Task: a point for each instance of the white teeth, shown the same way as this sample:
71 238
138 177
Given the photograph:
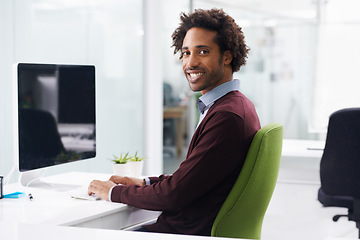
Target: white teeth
193 75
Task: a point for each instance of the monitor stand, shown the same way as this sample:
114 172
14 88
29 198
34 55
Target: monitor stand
34 179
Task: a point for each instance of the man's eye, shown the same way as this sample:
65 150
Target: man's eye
204 52
185 53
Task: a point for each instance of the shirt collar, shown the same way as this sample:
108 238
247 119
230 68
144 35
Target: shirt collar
210 97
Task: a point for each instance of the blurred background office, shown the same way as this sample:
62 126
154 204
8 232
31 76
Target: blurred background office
303 65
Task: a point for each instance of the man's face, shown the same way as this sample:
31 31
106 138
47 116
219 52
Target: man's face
202 63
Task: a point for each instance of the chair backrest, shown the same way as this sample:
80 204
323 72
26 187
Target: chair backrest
242 213
340 163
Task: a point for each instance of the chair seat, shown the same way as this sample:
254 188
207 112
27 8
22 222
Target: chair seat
335 201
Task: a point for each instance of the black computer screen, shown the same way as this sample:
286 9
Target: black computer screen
56 114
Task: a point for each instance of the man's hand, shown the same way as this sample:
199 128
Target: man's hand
127 180
101 188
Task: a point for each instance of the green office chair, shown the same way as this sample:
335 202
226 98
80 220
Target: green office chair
242 213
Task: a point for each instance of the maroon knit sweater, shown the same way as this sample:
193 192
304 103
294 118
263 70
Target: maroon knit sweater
192 196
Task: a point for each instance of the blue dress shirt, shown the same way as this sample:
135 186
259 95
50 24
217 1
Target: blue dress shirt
208 99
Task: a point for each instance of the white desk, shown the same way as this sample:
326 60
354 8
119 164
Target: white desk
301 161
21 231
58 208
50 213
303 148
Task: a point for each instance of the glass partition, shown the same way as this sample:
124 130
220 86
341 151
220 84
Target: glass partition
107 34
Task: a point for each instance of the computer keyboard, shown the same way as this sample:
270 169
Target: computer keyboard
83 195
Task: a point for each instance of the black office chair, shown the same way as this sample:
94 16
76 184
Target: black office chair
340 164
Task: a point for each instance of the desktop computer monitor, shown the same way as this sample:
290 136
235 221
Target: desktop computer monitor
55 114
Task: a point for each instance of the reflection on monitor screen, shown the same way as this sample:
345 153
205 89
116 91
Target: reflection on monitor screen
56 114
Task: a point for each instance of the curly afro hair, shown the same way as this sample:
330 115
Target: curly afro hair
229 35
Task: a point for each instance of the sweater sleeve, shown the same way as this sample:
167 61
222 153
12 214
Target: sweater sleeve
219 148
158 179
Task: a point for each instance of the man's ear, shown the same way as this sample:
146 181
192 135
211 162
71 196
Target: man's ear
227 57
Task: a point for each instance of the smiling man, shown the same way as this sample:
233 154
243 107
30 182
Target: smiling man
212 48
205 67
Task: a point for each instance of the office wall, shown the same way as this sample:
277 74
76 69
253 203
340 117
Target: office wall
280 76
303 54
6 49
338 57
280 66
108 34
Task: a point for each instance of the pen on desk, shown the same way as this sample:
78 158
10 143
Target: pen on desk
30 197
314 148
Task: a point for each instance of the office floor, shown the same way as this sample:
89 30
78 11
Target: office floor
294 211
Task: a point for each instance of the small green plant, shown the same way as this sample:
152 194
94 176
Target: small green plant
122 159
135 158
